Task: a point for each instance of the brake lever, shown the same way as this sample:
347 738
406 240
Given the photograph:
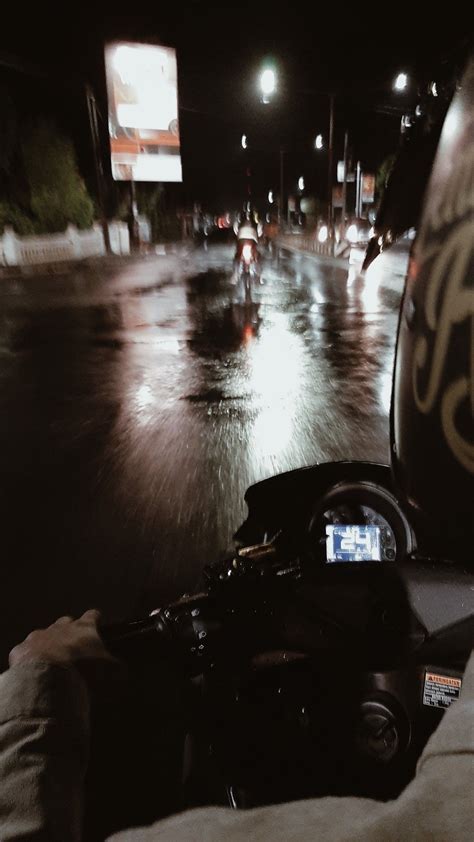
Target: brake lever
266 560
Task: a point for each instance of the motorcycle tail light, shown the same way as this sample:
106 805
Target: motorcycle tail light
247 253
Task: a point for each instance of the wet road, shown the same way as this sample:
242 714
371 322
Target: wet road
138 402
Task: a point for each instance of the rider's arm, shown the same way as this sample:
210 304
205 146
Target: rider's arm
44 729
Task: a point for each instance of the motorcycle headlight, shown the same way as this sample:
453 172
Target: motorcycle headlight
323 234
352 233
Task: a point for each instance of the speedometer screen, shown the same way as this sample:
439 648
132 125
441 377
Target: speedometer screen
353 543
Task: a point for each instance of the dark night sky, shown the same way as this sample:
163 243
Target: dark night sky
220 51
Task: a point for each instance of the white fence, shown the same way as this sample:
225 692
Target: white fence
52 248
307 241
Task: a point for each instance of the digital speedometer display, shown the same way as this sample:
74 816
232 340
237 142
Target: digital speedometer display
348 542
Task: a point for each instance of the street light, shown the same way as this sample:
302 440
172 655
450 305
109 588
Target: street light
267 84
319 142
301 183
401 82
244 141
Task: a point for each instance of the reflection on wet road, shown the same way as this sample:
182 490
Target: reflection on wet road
139 402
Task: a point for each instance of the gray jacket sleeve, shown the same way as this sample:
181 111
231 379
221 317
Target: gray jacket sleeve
44 737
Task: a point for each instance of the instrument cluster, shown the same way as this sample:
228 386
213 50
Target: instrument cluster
359 522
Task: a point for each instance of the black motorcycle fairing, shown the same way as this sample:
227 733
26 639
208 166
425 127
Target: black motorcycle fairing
311 682
442 597
335 706
287 500
312 676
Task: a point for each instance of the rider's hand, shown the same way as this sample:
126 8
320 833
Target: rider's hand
67 642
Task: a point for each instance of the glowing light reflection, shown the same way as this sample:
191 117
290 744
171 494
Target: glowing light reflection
143 404
144 397
385 391
275 367
373 279
370 296
319 299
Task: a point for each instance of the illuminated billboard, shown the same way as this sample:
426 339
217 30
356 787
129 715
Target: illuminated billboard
142 88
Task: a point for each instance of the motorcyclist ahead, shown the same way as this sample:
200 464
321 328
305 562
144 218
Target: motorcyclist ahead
248 226
248 230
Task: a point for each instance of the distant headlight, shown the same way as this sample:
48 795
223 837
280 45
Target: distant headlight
352 234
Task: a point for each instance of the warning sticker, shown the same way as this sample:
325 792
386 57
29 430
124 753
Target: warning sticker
440 690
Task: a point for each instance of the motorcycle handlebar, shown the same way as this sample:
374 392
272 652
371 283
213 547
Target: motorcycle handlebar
204 625
259 613
117 635
187 630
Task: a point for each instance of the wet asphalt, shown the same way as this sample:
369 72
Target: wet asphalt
139 400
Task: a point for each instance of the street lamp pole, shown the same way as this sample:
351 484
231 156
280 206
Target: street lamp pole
344 183
282 186
330 168
268 87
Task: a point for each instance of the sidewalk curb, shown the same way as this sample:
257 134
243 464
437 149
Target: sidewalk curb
25 272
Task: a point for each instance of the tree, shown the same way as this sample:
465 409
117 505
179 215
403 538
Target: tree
151 197
383 174
8 131
58 195
11 214
165 225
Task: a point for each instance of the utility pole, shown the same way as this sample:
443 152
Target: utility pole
94 128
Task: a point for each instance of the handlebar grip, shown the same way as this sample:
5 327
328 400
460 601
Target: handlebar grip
186 631
122 639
